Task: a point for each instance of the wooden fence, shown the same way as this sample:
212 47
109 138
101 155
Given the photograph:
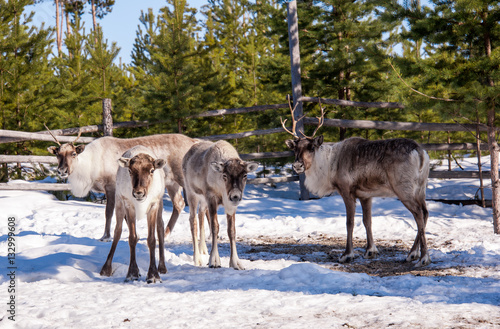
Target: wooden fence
8 136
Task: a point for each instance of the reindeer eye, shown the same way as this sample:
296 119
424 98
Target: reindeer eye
130 172
245 176
74 154
152 170
224 176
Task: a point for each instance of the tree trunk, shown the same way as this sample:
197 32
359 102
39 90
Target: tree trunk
58 29
93 15
107 119
493 146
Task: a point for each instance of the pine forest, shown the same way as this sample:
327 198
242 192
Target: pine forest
440 59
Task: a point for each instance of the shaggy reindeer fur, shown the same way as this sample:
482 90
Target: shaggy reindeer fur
215 175
93 167
362 169
140 185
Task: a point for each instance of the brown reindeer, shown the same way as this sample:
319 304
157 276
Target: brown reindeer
140 185
93 167
361 169
215 175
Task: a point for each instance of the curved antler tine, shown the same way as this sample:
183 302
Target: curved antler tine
77 137
51 134
321 119
284 127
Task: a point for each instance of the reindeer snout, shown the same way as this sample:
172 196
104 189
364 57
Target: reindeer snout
235 196
63 172
298 167
139 195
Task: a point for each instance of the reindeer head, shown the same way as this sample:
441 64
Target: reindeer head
67 155
234 173
141 168
303 147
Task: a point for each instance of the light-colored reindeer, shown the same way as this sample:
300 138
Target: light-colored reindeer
215 175
93 167
140 185
361 169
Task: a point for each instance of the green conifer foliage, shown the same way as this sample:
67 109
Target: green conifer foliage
24 71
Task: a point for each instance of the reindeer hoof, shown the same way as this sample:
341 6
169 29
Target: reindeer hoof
131 278
105 238
424 261
214 266
413 256
370 254
106 271
346 258
153 279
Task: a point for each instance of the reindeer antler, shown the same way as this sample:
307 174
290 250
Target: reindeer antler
294 122
77 137
321 120
51 134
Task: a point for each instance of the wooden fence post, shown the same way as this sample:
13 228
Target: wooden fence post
107 119
293 41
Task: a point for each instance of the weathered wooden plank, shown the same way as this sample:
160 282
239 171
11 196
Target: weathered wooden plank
457 174
389 125
43 137
341 102
244 134
35 186
266 155
238 110
27 159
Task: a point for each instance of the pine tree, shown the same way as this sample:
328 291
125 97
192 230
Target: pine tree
24 71
172 65
463 61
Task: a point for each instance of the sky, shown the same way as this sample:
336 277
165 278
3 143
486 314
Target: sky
120 25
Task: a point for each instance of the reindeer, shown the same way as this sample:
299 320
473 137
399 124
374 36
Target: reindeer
93 167
361 169
215 175
140 184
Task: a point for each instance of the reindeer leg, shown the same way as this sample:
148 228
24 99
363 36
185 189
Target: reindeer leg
371 248
133 270
214 253
152 275
110 206
162 268
350 207
175 192
424 258
107 269
193 204
203 240
234 261
419 248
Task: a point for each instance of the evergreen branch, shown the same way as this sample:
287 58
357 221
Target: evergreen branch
421 93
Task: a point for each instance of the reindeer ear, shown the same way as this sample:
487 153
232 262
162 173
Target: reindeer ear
159 163
318 141
79 149
217 166
53 150
252 166
124 162
291 144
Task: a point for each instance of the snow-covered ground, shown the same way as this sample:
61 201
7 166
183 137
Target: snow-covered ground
289 282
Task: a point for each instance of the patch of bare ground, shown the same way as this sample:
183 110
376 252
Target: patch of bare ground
326 250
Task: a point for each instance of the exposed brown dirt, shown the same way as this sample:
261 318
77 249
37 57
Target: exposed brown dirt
325 251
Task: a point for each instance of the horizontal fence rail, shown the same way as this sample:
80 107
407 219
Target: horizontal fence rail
342 102
264 180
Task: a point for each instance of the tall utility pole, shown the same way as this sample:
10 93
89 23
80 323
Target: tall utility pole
293 41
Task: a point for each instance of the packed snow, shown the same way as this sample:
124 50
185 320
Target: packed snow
290 250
